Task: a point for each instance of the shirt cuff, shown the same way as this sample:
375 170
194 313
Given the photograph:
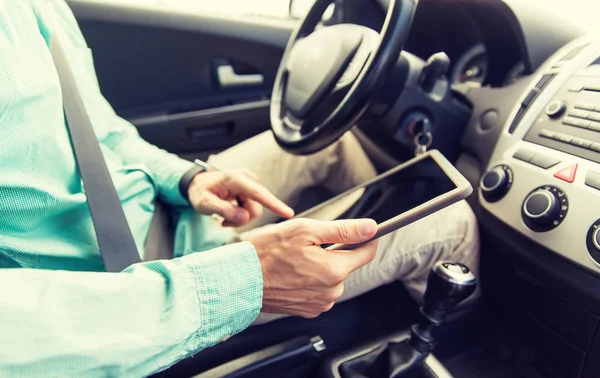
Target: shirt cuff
229 284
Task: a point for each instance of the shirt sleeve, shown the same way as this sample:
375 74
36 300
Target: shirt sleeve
165 169
128 324
114 132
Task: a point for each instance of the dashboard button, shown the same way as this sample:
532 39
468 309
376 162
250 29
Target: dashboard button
585 106
556 108
593 180
567 174
583 123
579 113
595 147
579 142
594 126
577 122
547 134
544 161
524 155
563 138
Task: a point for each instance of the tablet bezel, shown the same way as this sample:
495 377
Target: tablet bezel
461 191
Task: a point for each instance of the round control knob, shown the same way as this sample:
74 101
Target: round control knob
544 208
593 241
555 109
541 206
495 183
596 239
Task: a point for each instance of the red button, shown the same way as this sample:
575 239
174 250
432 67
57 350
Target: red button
567 174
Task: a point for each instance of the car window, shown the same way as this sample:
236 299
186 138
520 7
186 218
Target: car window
265 8
280 9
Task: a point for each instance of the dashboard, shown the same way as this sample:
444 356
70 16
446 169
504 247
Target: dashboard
453 29
529 141
543 178
533 137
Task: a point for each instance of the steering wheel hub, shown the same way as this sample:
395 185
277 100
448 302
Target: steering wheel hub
328 77
316 63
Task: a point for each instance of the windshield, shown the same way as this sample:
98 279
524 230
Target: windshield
583 12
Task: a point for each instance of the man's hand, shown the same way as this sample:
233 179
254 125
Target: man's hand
215 192
300 277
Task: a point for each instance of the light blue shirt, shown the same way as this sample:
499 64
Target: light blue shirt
96 324
87 324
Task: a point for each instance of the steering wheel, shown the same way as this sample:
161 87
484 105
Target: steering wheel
328 77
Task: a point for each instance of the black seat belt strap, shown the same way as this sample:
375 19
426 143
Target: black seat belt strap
114 236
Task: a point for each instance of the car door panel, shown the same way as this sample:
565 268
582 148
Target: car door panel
160 69
196 134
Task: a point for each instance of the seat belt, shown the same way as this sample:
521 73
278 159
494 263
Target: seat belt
113 234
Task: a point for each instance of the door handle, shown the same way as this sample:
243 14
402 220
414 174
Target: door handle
228 78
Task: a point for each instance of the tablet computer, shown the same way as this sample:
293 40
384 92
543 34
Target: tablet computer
400 196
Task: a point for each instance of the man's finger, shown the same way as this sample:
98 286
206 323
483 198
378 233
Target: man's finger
253 207
251 175
352 231
260 194
233 214
356 258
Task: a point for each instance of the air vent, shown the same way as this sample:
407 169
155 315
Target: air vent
528 100
573 53
544 81
515 122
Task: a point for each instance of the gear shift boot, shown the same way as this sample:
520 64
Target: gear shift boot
387 360
376 359
448 284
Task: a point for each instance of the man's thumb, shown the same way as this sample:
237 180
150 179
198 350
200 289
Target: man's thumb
346 231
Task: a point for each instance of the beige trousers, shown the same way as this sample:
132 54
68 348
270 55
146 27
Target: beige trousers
406 255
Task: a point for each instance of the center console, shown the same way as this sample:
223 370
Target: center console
539 203
543 179
408 355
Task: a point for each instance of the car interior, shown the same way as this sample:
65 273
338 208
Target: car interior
505 90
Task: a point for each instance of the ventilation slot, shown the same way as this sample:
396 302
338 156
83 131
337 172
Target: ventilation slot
573 53
515 122
529 99
544 81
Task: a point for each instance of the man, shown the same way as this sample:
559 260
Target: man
156 313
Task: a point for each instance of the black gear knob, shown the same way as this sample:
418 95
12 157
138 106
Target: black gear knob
449 283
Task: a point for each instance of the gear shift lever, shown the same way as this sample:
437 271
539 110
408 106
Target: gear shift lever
448 284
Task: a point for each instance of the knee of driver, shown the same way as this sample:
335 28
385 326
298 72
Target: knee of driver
464 226
459 219
348 140
456 229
